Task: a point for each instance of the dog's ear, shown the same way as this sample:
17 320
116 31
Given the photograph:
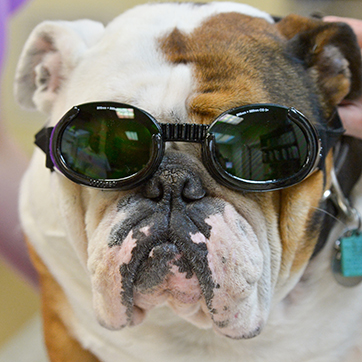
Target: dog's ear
49 56
329 52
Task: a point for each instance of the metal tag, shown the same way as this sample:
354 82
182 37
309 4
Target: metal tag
351 254
347 260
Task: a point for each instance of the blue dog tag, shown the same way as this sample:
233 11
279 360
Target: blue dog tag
351 254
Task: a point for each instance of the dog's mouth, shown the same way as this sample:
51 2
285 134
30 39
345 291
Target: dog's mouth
166 276
209 269
165 273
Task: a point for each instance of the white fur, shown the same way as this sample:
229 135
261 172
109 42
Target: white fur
56 217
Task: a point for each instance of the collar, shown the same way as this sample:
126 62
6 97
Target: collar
337 205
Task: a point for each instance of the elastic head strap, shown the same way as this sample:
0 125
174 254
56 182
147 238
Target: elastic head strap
42 140
334 130
330 135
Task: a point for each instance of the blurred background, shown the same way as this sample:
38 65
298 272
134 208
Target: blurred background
20 326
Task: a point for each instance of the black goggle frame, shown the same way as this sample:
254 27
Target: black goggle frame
320 139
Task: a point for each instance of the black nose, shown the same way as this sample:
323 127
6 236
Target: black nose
174 181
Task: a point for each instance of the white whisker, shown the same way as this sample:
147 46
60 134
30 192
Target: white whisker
331 215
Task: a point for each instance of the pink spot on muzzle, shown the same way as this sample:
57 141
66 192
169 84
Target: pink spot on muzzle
107 286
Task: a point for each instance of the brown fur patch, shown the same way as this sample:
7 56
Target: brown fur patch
232 55
298 205
294 24
61 346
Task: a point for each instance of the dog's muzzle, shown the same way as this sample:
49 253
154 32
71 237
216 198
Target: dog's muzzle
175 244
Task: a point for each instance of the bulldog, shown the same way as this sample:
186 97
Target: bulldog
176 204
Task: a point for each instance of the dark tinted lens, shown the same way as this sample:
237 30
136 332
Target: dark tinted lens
107 142
259 144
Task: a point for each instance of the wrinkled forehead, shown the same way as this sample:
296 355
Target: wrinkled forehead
129 65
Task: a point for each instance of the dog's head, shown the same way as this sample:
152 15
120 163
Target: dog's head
217 256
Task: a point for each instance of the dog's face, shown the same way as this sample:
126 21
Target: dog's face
218 257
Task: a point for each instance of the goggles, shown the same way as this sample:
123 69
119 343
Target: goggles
117 146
